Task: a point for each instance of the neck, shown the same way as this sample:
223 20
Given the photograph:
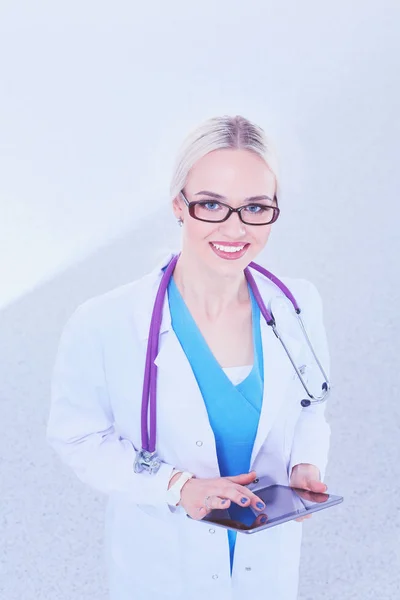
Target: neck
208 291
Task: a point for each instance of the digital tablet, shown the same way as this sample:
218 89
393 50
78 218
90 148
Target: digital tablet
282 503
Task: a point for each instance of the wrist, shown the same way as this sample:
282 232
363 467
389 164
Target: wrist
174 478
177 482
186 484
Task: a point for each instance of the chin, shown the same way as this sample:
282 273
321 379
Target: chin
229 266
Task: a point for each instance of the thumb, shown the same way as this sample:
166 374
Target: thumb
316 486
243 477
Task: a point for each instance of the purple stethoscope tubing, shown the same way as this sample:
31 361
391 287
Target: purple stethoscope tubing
150 372
147 454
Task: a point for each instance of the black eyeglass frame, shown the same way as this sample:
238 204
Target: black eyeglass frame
191 207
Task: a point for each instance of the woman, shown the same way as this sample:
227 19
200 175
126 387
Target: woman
228 400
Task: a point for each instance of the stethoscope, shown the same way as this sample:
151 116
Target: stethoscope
146 458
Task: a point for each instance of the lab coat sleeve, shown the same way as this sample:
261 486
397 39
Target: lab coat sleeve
312 432
81 425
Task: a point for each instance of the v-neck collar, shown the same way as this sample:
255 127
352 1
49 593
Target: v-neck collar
257 359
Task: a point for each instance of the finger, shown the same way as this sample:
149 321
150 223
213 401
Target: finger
210 503
244 477
225 503
197 513
243 497
257 503
238 494
316 486
313 496
216 502
261 519
299 519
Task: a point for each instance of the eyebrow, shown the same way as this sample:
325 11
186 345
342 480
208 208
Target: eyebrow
219 197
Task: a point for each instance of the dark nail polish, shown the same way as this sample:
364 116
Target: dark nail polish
224 502
263 519
260 505
243 500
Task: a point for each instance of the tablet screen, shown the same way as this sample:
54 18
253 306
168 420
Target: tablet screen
282 503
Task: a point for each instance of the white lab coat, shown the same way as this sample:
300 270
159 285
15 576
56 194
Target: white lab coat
154 550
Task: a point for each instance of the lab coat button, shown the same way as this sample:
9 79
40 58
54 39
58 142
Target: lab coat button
199 443
211 530
215 576
248 568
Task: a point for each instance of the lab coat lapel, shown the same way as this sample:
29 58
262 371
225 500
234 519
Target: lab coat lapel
182 392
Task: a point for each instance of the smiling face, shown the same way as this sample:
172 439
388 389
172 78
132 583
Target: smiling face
235 175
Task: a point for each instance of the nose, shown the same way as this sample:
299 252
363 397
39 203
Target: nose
233 226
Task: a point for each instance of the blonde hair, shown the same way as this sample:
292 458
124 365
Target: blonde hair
217 133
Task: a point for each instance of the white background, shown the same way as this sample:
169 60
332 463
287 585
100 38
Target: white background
95 98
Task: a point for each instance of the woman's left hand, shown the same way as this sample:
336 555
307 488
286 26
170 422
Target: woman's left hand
307 477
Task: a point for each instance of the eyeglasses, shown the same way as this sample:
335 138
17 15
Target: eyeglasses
212 211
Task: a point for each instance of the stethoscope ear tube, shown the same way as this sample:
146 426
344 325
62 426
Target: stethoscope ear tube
270 319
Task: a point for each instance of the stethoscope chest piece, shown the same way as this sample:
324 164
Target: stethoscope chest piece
146 461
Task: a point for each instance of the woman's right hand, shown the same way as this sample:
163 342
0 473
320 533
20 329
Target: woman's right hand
222 491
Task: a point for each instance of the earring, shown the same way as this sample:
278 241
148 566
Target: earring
180 222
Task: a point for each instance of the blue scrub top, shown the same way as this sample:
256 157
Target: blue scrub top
233 410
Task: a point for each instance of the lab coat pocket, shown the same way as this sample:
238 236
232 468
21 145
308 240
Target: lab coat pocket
145 546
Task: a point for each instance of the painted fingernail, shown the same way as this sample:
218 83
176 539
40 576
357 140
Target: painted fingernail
260 505
224 501
243 500
263 519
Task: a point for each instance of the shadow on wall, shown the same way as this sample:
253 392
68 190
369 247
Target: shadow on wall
54 521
